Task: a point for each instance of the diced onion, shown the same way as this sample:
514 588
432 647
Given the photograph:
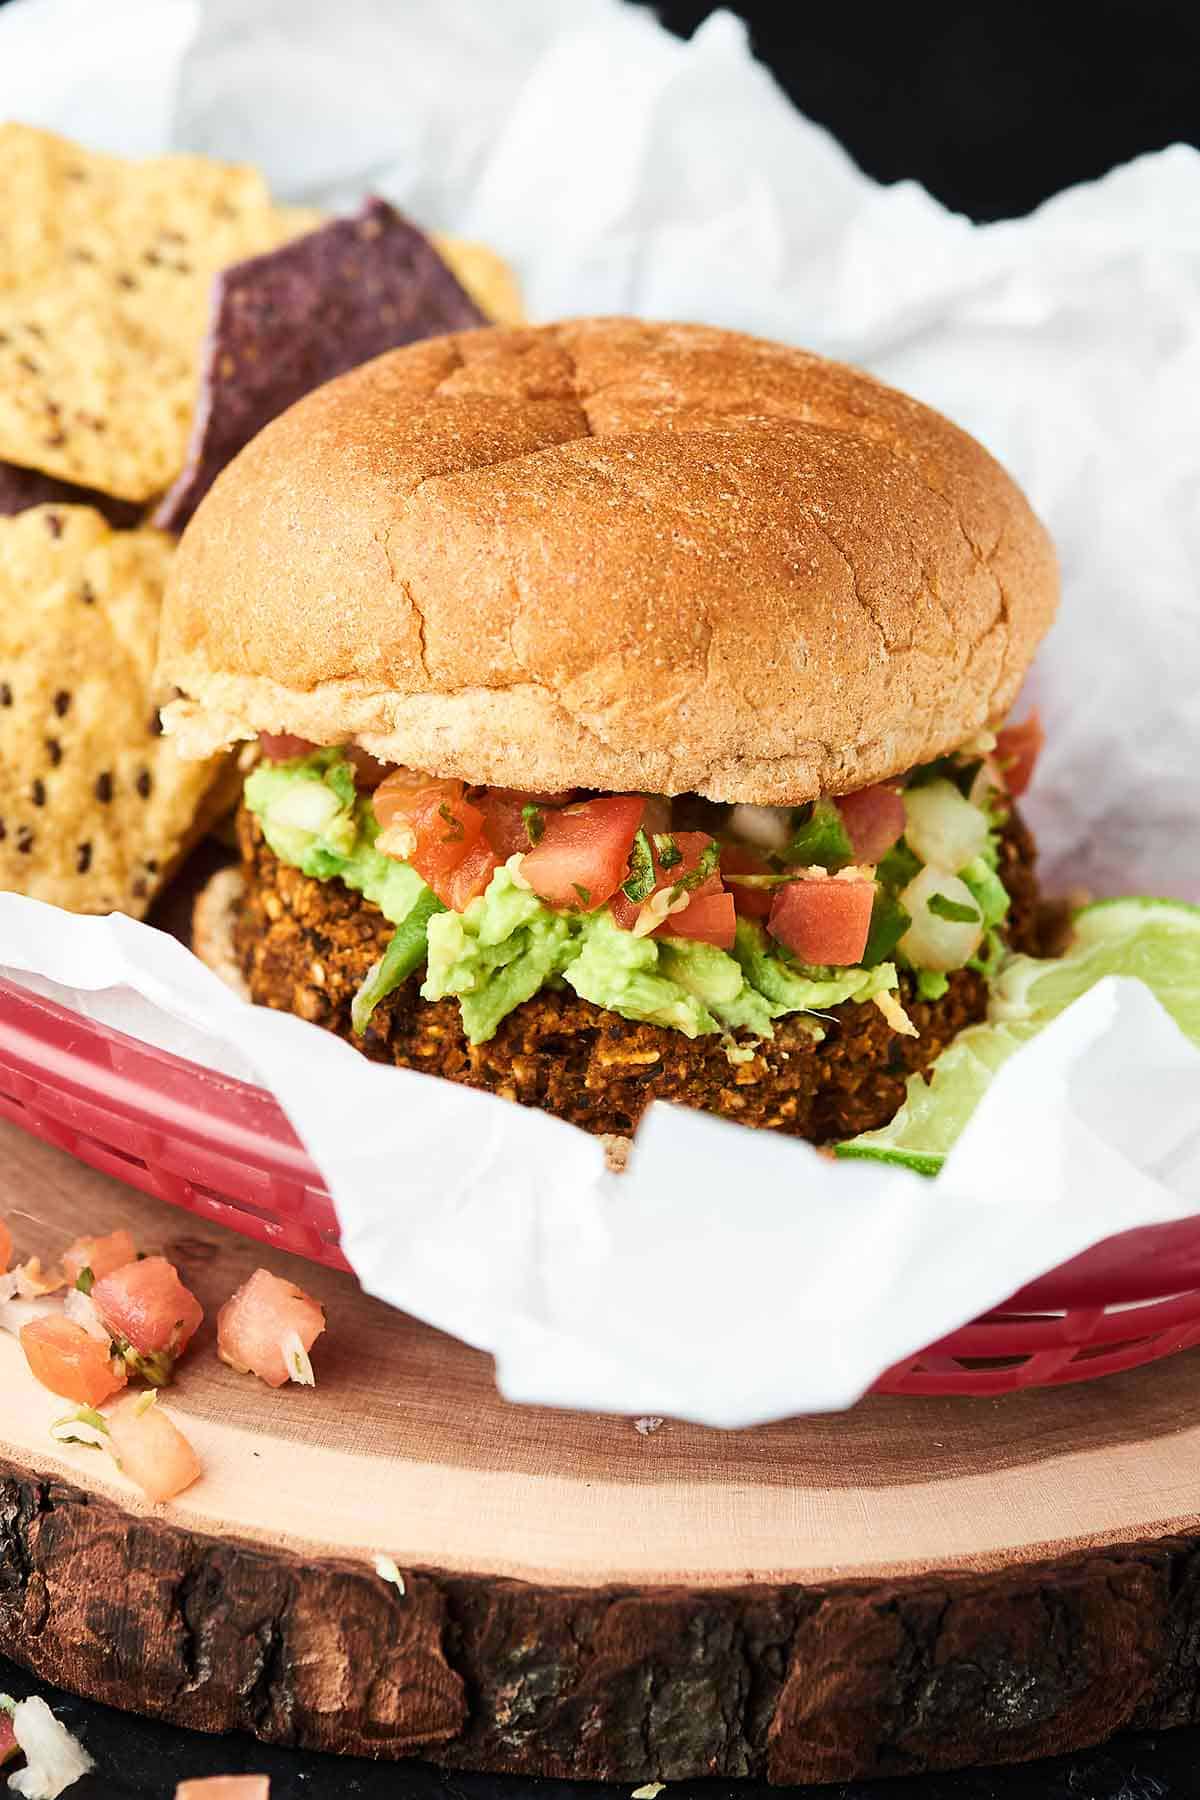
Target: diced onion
295 1358
941 827
16 1312
386 1569
932 942
80 1310
398 840
658 908
33 1281
54 1760
766 827
306 805
73 1430
889 1005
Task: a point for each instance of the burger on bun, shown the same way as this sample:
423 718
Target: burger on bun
630 706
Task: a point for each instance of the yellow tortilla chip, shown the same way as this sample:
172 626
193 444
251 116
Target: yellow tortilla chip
95 804
105 268
486 277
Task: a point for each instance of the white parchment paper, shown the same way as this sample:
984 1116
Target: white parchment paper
731 1276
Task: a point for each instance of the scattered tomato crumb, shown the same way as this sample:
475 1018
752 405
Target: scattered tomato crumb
150 1448
6 1247
226 1787
70 1361
267 1329
1017 750
102 1255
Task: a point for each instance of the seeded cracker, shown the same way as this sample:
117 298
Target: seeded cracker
286 322
95 805
105 268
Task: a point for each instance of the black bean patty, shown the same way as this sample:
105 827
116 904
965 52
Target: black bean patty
305 946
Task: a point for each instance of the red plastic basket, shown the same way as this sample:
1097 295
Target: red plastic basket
223 1150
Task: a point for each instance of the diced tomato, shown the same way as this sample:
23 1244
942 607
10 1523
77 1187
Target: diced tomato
471 877
368 772
6 1247
258 1327
657 816
823 920
504 824
443 833
146 1304
151 1449
563 797
583 856
1017 750
99 1254
8 1739
281 746
508 829
70 1361
751 902
225 1787
706 917
874 820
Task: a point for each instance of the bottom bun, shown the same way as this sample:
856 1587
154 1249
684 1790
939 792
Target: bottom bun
304 946
214 917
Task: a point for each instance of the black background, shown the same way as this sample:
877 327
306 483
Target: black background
993 108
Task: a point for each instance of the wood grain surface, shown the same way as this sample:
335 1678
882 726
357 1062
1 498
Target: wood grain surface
915 1584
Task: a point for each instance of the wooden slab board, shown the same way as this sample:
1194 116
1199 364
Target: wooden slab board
915 1584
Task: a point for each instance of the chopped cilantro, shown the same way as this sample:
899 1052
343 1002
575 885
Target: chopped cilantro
709 858
641 881
667 850
898 867
987 890
889 922
820 839
534 821
942 907
455 830
948 768
585 894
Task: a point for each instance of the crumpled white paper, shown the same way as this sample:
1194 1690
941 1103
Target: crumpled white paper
731 1276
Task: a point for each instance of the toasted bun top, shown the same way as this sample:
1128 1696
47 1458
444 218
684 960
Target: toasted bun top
610 554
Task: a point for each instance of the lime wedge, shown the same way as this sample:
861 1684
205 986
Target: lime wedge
1158 941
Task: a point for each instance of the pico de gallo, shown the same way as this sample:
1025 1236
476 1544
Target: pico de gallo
699 916
105 1315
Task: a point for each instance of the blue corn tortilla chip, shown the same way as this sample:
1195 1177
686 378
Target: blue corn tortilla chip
22 488
285 322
